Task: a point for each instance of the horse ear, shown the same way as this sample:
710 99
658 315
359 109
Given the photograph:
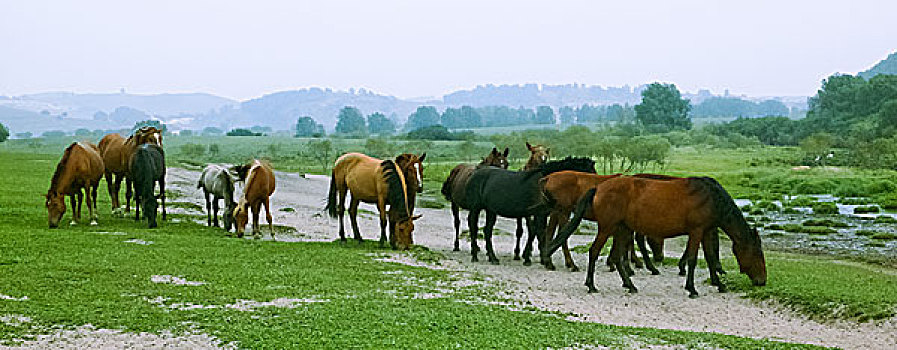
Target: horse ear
529 147
494 150
548 150
423 156
418 216
506 152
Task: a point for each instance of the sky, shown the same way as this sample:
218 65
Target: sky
244 49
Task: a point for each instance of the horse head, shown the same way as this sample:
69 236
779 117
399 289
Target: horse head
539 154
496 158
403 230
55 208
148 134
229 215
241 217
750 256
412 167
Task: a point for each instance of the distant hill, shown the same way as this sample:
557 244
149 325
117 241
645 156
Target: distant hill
84 106
885 66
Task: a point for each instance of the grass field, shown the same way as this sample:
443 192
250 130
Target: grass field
342 296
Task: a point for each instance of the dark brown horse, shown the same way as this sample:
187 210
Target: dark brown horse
412 167
454 186
117 152
661 209
258 179
81 167
377 181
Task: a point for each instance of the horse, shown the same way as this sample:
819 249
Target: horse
216 184
258 177
412 167
148 167
661 209
377 181
539 154
117 152
81 167
511 194
454 186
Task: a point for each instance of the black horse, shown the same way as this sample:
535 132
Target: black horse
148 167
512 194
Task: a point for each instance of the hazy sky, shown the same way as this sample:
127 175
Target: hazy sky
428 48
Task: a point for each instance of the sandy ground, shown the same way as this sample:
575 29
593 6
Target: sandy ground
661 302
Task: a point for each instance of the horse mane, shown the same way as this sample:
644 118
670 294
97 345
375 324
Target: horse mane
60 167
723 204
656 176
581 164
397 196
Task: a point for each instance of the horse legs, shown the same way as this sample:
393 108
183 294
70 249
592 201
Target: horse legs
712 243
487 236
519 235
691 255
455 214
353 220
473 218
256 233
137 199
594 252
267 204
112 184
162 195
210 207
712 258
622 246
656 245
73 200
96 186
549 235
128 192
640 239
341 209
91 203
528 250
568 259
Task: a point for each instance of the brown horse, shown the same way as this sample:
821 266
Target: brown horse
81 167
454 186
117 152
377 181
661 209
539 154
258 178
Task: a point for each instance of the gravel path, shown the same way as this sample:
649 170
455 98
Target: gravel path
660 303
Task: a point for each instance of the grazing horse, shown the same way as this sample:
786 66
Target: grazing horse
80 167
455 185
117 152
147 168
511 194
377 181
538 155
216 183
661 209
412 167
258 177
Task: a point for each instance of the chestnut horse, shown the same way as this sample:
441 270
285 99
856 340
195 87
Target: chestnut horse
539 154
258 179
117 152
81 167
377 181
454 186
661 209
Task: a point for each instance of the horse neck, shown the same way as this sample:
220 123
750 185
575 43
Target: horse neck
62 177
532 163
598 179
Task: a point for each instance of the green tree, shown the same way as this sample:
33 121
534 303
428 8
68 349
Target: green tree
423 117
153 123
663 107
4 132
351 122
243 132
433 132
544 115
308 127
380 124
380 148
322 152
567 115
818 146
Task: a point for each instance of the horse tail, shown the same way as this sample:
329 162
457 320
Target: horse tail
547 198
584 204
447 185
331 197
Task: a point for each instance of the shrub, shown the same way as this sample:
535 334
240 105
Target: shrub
867 233
790 210
866 209
824 208
884 219
824 222
884 236
768 205
801 201
192 150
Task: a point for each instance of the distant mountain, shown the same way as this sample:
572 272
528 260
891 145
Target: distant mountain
885 66
532 95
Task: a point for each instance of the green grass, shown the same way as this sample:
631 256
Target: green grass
79 275
824 222
813 230
866 209
885 220
885 236
823 288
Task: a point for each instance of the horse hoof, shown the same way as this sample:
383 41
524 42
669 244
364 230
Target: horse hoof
516 257
681 273
527 263
633 290
550 267
73 223
456 249
722 289
474 259
592 290
493 261
693 295
93 223
574 269
655 272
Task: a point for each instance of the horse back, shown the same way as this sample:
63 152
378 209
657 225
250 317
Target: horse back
565 188
112 149
260 182
454 186
93 167
655 207
362 175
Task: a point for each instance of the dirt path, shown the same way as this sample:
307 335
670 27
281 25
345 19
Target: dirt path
660 303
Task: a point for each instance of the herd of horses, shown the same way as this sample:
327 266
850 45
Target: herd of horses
641 209
139 161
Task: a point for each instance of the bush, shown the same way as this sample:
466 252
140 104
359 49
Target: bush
243 132
814 186
884 219
885 236
801 201
192 150
767 205
824 222
433 132
866 209
824 208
